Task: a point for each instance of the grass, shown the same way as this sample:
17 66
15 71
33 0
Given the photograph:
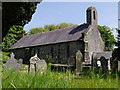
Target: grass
56 80
50 79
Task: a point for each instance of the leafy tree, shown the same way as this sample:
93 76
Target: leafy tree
50 28
107 37
37 30
14 34
16 13
62 25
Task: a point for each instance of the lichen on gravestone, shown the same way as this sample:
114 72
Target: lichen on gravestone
79 57
37 65
20 62
11 64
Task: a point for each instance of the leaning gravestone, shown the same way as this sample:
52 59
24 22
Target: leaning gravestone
78 63
37 65
11 64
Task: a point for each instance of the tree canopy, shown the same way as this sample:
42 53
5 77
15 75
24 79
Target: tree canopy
49 28
13 35
16 13
107 36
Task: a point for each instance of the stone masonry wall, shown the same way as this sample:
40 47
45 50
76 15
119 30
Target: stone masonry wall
94 42
63 53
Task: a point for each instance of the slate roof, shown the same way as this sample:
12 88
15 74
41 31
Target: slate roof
106 54
52 37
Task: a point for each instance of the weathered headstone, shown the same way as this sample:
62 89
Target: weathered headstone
41 66
20 62
11 64
78 63
118 66
37 65
33 61
104 64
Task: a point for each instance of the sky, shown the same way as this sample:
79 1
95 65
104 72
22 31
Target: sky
73 12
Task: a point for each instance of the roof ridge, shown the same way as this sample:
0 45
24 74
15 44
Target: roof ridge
67 34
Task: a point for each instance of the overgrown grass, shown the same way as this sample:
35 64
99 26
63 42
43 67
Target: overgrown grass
56 80
88 79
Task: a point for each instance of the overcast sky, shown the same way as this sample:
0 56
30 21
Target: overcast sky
73 12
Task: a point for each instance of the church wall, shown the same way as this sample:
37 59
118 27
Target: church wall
94 41
19 53
62 53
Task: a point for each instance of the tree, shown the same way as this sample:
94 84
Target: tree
16 13
49 28
37 30
107 37
14 34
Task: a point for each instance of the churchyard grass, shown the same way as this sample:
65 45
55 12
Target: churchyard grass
55 79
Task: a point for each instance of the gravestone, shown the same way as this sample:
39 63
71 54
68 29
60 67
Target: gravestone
20 62
78 63
11 64
41 66
33 61
37 65
118 66
104 64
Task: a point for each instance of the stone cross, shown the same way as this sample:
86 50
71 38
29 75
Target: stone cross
11 64
79 57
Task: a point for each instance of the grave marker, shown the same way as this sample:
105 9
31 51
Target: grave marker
11 64
118 66
37 65
20 62
78 62
104 64
41 66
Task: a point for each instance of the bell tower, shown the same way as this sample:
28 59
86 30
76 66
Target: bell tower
91 16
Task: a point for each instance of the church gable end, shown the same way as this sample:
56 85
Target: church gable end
93 40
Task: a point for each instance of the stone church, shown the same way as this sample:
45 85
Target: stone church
60 46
